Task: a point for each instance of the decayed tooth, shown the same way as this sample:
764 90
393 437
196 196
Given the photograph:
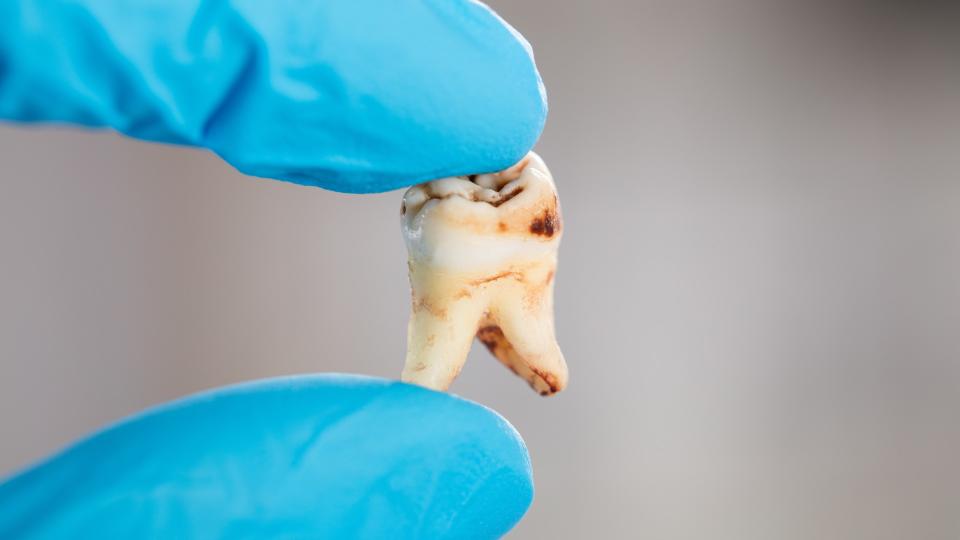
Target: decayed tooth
482 258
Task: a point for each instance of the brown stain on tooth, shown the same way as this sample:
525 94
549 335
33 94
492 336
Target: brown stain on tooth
545 224
539 217
495 277
507 196
403 208
534 294
423 303
504 197
549 379
491 336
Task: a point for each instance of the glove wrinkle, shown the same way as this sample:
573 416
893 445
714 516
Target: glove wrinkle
233 93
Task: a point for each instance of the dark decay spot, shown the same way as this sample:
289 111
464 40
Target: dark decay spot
490 336
544 225
403 207
549 379
472 178
502 227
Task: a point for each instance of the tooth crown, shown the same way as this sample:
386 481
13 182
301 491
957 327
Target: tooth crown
482 258
460 225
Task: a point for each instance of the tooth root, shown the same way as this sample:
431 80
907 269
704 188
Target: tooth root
544 382
441 329
482 256
518 329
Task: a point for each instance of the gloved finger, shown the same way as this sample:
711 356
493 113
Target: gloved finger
354 96
327 456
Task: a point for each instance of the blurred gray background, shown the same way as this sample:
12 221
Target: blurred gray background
759 290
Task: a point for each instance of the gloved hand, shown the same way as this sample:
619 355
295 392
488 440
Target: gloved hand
355 96
350 95
323 456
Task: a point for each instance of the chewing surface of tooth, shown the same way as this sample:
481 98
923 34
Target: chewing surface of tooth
482 259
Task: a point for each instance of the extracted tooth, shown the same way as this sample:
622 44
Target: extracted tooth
482 259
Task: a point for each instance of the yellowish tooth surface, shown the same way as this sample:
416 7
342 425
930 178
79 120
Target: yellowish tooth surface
482 256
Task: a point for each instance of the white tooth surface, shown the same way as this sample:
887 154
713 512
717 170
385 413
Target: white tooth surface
482 257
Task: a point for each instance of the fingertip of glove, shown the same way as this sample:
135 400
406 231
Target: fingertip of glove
495 486
328 455
494 103
427 90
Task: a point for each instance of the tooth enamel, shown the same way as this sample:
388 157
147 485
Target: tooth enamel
482 257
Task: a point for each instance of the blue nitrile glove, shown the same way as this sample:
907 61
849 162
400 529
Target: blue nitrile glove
350 95
325 456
